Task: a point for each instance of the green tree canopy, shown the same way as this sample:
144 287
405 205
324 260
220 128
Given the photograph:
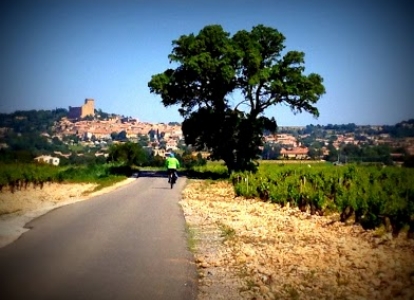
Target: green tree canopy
128 153
212 66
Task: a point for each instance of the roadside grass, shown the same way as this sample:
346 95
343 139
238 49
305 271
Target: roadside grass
227 232
106 182
213 170
191 240
102 175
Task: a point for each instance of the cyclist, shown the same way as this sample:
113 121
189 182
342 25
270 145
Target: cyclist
172 164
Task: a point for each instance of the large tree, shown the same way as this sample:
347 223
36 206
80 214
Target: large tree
128 153
212 66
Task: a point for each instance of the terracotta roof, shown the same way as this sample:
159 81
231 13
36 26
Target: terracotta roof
296 151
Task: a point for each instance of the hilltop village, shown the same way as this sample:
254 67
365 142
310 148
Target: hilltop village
85 127
292 142
118 129
170 137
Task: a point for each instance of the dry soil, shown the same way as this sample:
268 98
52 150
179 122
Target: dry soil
249 249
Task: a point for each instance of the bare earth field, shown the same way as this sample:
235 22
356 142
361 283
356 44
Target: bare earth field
248 249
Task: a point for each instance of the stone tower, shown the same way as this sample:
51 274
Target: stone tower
88 109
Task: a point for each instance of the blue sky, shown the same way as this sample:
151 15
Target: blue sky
57 53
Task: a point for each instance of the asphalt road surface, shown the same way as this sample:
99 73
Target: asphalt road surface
128 244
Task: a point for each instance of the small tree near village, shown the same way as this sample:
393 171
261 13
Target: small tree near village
213 65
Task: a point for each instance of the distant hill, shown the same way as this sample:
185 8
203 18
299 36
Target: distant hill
32 120
43 120
400 130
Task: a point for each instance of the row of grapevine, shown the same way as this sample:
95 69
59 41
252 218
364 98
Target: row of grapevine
371 195
18 176
21 176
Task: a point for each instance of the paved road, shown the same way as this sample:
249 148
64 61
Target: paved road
128 244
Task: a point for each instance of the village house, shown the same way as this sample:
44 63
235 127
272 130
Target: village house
295 153
171 144
159 152
325 151
101 154
270 139
410 150
287 140
48 160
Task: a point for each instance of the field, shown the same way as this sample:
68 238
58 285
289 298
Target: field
251 249
290 231
303 231
371 196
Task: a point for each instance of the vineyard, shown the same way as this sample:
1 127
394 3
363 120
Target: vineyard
372 196
20 176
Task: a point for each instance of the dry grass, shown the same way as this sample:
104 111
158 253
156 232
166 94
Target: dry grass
30 199
248 249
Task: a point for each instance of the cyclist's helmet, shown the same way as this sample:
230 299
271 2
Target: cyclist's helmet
171 154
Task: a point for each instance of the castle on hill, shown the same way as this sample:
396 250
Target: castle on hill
88 109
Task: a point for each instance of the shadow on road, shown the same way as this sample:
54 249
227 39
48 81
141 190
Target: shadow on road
188 174
161 188
158 174
162 174
124 170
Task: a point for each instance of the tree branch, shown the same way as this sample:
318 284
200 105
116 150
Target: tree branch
259 88
242 102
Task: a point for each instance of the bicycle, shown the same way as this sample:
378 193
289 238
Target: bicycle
172 178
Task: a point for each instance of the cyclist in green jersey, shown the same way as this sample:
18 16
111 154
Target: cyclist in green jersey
172 164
